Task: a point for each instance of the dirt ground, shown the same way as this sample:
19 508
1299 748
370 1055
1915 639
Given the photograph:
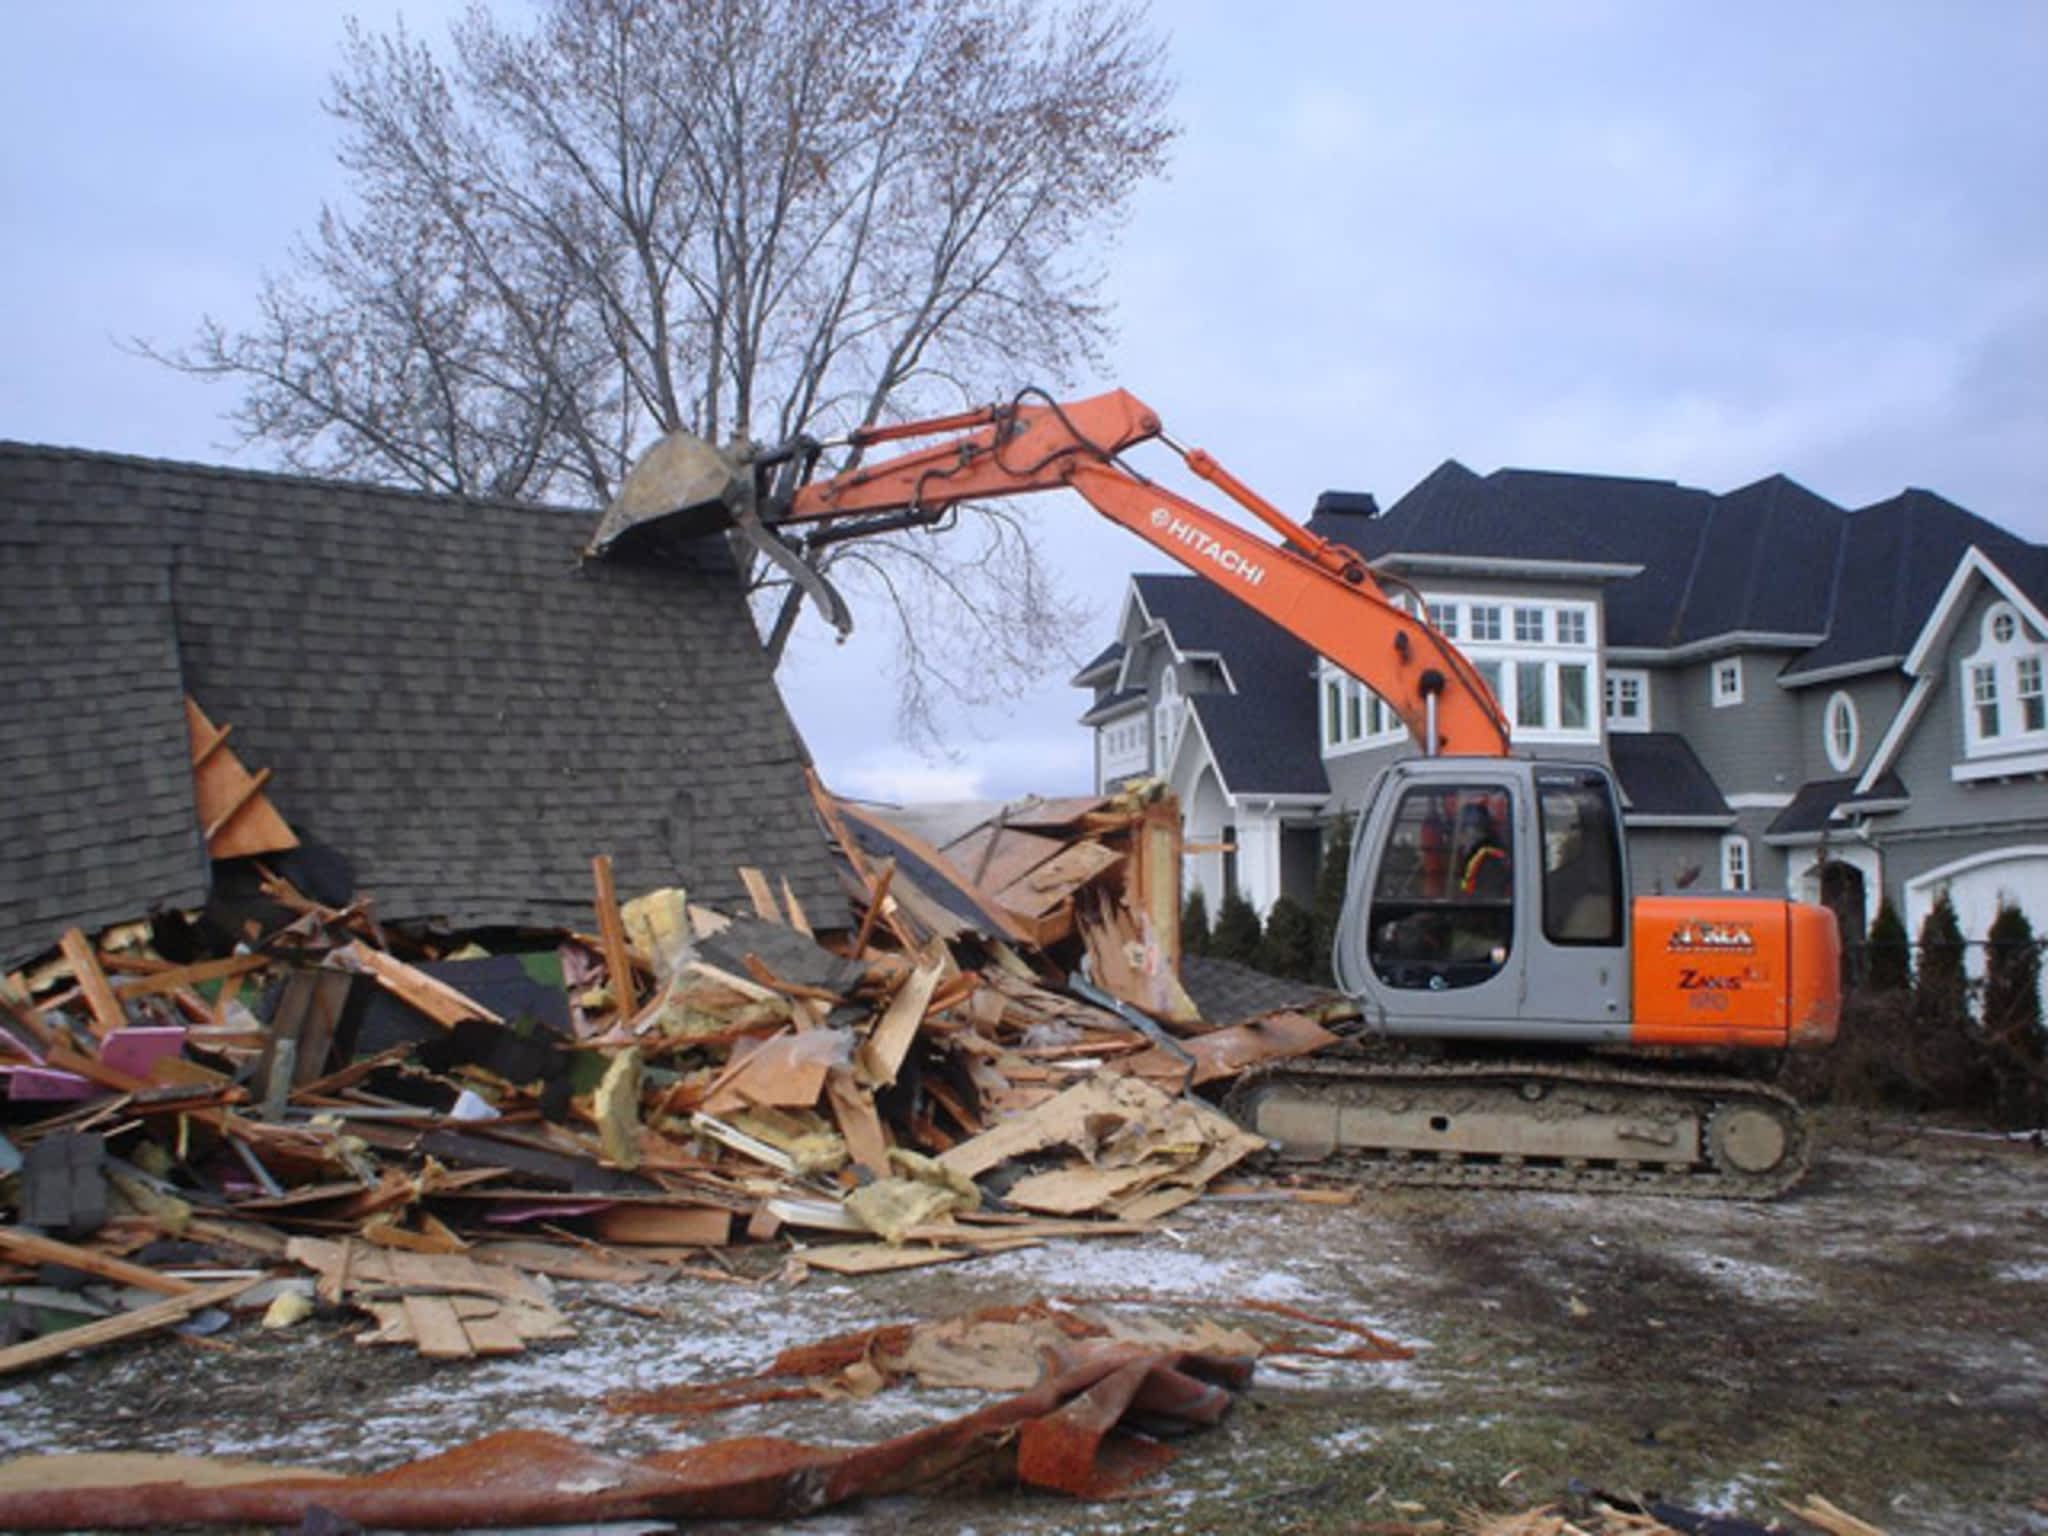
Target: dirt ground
1879 1337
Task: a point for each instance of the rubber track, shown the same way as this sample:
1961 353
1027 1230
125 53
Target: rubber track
1426 1170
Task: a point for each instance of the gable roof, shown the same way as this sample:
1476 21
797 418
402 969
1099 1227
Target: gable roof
1897 559
1100 667
1256 742
443 693
1255 731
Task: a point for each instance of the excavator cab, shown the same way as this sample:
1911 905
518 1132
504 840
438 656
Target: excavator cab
1489 897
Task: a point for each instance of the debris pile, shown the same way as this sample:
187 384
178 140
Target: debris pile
989 1048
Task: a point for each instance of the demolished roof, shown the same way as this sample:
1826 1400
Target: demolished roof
442 692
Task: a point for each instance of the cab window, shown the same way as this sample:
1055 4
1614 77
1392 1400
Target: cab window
1443 907
1583 902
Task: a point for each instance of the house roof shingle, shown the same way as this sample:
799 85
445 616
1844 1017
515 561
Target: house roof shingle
1771 558
443 693
1813 807
1661 775
1255 732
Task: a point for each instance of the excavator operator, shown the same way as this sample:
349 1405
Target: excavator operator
1484 871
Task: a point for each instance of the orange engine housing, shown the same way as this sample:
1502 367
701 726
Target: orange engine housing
1738 971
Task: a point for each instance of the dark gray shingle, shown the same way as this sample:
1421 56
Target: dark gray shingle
442 690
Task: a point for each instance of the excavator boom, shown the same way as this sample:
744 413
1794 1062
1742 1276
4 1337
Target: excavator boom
1317 590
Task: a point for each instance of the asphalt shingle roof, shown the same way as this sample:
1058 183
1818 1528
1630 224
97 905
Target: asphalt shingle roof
442 691
1896 559
1661 775
1813 806
1769 558
1256 732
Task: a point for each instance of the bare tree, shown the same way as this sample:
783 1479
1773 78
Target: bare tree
746 218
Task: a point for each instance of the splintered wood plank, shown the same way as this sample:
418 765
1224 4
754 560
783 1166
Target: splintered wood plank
29 1248
759 893
433 997
990 857
798 918
881 1056
612 932
107 1012
662 1225
1227 1052
234 815
1070 1191
179 977
436 1328
853 1107
1036 894
1063 1119
785 1071
126 1325
878 1258
489 1326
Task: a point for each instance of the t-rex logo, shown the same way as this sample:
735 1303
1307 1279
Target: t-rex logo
1716 938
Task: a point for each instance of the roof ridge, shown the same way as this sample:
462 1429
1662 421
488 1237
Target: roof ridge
16 448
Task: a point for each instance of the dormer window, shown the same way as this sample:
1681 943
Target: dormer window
2004 706
1727 682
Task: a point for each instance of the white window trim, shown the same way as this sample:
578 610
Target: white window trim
1725 697
1841 706
1333 683
1625 723
2001 660
1169 715
1511 655
1738 871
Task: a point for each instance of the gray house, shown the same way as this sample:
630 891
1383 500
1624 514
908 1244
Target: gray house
1793 697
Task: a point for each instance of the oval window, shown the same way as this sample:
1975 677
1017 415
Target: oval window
1841 731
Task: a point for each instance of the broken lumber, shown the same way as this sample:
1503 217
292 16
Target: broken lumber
125 1325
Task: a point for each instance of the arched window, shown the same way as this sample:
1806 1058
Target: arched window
2005 706
1166 718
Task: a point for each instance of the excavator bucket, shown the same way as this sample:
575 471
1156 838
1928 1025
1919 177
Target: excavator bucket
683 484
685 488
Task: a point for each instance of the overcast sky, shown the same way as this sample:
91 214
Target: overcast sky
1701 242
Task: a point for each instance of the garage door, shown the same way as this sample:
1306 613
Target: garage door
1978 886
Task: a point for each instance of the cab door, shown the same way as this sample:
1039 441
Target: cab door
1444 900
1577 973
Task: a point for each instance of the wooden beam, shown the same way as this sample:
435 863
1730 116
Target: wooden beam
176 977
440 1002
878 897
612 933
759 893
798 918
238 802
107 1013
128 1325
30 1248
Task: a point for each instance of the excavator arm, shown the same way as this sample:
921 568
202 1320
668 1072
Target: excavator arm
1321 592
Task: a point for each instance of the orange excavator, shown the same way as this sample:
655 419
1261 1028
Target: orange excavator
1488 907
